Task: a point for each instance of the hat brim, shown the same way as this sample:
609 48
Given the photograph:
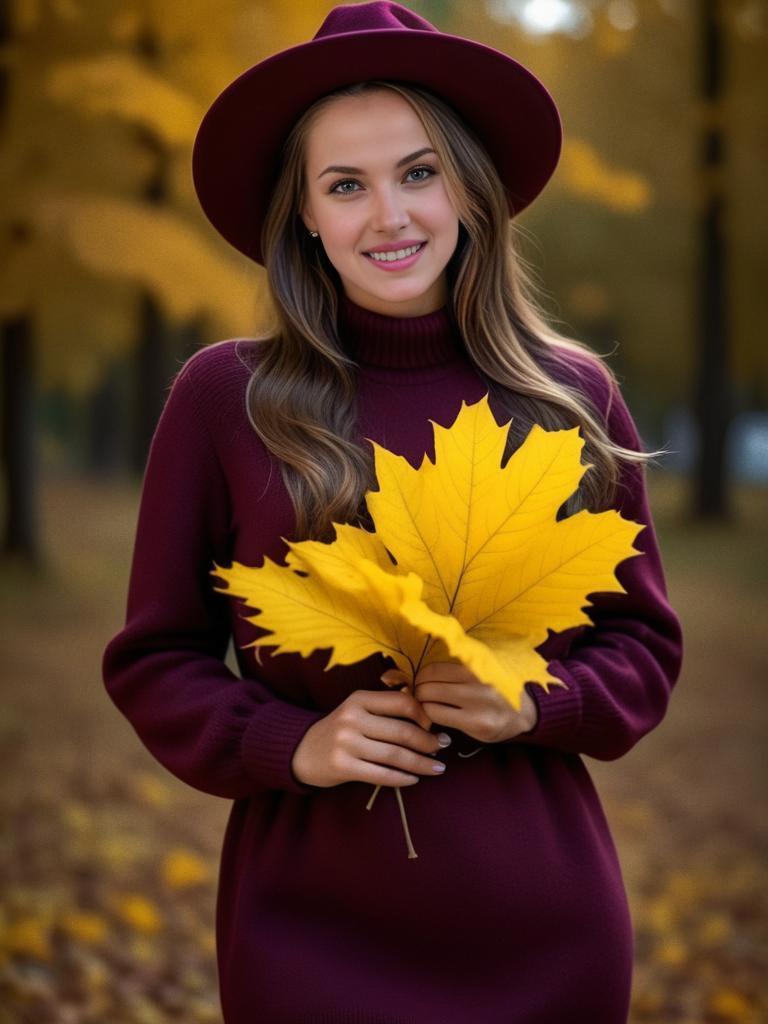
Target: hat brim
235 154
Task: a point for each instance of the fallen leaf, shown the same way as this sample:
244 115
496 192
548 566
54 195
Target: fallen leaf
182 868
139 912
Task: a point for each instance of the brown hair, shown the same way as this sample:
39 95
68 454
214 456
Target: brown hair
301 397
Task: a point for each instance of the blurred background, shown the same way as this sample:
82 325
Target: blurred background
649 245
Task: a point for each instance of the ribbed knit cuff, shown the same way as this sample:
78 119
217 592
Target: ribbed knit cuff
270 740
560 709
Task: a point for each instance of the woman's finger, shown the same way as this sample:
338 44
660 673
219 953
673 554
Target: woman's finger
441 714
424 718
394 677
457 694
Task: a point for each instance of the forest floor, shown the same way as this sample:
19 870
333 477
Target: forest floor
108 863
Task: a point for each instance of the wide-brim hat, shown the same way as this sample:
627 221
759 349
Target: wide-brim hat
236 152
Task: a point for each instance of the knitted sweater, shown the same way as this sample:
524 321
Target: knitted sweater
515 908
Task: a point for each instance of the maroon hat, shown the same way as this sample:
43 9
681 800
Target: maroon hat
237 148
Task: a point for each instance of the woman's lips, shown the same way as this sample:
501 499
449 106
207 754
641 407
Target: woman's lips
396 264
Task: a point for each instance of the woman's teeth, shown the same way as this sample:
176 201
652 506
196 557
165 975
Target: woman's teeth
398 254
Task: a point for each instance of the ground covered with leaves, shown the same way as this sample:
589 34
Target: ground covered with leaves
108 864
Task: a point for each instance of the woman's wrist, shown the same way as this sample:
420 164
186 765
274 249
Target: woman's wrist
522 721
530 712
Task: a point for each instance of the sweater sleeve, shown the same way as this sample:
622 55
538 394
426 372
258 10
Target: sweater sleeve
165 669
620 671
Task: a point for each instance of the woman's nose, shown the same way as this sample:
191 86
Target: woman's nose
389 213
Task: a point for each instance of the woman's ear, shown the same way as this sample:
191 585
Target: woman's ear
307 218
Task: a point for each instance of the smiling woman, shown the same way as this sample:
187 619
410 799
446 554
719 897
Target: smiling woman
378 189
390 231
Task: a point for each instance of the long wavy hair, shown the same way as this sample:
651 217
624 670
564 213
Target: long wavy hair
301 397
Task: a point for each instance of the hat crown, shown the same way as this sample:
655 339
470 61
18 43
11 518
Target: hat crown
369 17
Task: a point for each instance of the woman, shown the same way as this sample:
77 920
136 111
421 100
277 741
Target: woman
320 163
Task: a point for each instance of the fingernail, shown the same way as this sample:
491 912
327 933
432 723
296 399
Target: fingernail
438 766
443 739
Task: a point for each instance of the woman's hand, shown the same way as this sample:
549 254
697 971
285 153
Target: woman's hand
372 736
453 696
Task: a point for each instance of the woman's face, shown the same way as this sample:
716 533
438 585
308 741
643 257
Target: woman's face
373 182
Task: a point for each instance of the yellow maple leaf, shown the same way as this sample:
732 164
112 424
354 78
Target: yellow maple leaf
303 611
483 569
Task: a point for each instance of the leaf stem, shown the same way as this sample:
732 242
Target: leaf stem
410 687
369 805
403 817
422 656
411 851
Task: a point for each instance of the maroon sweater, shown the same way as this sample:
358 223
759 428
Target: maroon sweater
515 908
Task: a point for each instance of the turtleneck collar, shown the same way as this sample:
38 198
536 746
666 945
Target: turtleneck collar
399 343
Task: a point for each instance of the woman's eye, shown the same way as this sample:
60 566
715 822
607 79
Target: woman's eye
415 170
337 188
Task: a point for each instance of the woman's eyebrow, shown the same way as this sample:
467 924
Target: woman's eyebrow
359 170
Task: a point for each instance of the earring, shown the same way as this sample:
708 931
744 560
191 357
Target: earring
313 233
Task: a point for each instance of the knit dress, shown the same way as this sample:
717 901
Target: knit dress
514 911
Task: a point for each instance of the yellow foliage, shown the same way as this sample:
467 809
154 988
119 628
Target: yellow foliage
728 1004
68 10
295 23
483 572
27 15
182 868
118 84
27 936
125 26
154 248
88 928
584 173
140 913
611 41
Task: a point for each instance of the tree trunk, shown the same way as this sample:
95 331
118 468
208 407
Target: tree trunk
19 455
19 466
189 337
151 379
712 397
153 372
